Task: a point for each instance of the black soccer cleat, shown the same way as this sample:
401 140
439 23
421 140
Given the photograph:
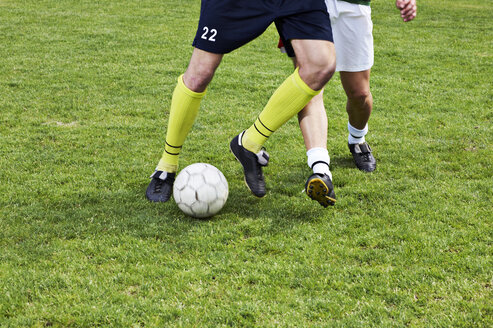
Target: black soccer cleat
161 186
363 157
319 187
252 165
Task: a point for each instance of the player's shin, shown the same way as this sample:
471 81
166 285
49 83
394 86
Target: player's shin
184 108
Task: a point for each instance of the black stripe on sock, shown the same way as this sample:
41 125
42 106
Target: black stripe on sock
258 118
172 146
259 130
174 154
317 162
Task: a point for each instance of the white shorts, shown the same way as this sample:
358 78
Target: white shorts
353 39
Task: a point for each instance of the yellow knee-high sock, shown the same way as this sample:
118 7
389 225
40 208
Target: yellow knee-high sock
291 96
184 108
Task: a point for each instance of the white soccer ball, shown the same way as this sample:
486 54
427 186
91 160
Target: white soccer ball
200 190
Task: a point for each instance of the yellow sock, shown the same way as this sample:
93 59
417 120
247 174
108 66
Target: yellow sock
184 108
291 96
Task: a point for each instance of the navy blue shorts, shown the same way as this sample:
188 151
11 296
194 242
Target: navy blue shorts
226 25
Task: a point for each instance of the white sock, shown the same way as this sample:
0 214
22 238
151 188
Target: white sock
319 160
356 136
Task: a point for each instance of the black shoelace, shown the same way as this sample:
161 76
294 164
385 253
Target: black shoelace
159 184
366 157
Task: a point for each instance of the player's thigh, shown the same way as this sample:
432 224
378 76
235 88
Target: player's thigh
314 52
356 84
306 25
316 61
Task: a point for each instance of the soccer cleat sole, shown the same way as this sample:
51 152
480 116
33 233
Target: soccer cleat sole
244 178
317 190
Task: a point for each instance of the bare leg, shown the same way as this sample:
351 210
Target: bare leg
201 69
316 60
359 99
313 123
359 107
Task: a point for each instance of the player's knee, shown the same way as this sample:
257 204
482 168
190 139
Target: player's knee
198 78
327 71
316 75
359 94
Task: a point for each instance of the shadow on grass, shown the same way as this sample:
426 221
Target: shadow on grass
116 211
341 162
278 210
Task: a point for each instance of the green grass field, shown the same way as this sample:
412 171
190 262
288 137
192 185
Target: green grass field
84 95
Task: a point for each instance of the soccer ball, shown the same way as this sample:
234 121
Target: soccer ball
200 190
